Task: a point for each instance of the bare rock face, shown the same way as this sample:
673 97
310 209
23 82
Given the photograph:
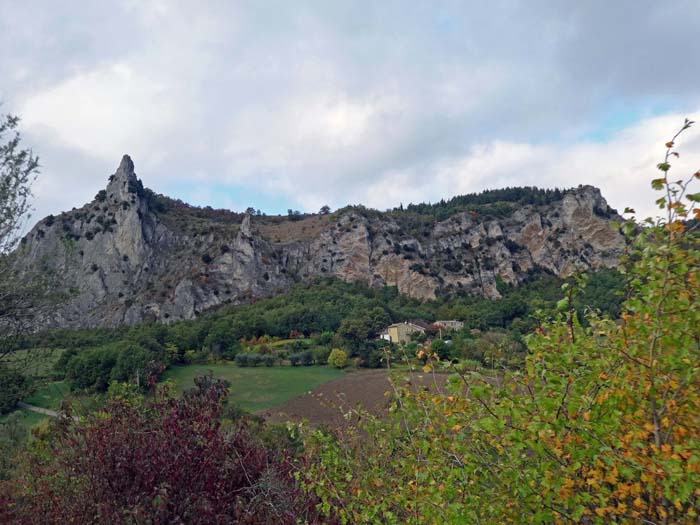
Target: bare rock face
131 256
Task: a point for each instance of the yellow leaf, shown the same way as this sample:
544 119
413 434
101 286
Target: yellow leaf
611 477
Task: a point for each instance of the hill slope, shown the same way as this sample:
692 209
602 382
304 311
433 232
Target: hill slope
131 255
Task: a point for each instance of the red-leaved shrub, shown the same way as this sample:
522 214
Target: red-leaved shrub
159 460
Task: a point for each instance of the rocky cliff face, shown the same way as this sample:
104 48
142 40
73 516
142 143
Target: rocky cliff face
131 256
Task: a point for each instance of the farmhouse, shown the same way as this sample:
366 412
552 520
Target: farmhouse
449 325
401 332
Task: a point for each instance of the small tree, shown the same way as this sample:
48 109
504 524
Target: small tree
338 358
18 170
20 295
13 387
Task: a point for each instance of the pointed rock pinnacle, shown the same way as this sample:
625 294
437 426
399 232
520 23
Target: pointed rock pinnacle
126 165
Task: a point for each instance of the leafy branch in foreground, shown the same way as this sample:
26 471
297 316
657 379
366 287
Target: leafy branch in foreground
602 426
18 169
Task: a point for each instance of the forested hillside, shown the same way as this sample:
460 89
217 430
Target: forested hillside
328 314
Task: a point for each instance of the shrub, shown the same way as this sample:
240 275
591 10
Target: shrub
94 368
189 356
467 365
375 359
304 358
251 359
323 338
338 358
441 348
297 346
91 369
13 387
321 353
158 460
242 359
256 359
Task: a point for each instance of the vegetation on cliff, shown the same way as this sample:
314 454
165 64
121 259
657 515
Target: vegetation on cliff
329 313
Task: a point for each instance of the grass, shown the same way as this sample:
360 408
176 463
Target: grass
37 362
28 419
49 395
259 388
46 396
282 342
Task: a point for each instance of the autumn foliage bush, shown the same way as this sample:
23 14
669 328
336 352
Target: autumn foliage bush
156 460
338 358
601 426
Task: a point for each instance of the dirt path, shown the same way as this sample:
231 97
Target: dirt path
38 410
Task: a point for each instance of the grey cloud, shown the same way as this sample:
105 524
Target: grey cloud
322 100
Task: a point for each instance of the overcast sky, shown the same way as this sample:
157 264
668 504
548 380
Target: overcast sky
296 104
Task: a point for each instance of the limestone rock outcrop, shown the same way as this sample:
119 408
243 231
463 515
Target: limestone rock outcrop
131 255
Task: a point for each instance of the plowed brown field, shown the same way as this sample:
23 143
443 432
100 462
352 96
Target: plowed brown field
328 403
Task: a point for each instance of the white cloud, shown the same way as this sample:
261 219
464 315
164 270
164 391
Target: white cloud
622 167
306 132
104 113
